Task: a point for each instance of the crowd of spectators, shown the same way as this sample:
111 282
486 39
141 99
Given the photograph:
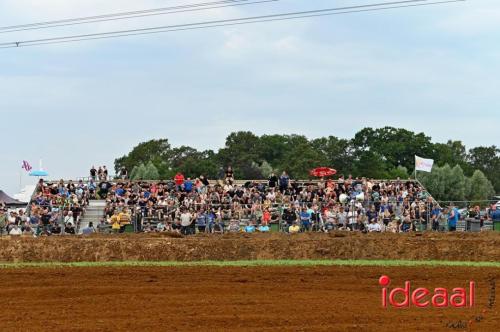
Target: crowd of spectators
194 205
190 206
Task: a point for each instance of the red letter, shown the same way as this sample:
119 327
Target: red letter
440 293
384 281
459 295
418 295
405 292
472 288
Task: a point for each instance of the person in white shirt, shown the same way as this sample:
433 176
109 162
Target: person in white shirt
374 227
186 220
15 231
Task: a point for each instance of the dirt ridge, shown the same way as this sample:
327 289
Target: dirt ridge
169 247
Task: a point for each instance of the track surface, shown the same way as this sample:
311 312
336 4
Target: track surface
233 299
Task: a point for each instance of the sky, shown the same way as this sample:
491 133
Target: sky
432 69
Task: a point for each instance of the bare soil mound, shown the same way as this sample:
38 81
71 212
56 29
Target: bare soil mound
168 247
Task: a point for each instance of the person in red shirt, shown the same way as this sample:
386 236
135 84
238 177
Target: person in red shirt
179 180
266 217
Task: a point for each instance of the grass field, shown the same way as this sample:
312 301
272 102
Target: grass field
254 263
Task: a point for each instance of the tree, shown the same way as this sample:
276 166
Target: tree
337 152
241 149
487 160
481 188
140 172
452 153
455 184
156 151
151 172
398 172
394 146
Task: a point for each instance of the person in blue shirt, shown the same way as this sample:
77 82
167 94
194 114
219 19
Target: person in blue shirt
210 216
188 185
305 220
436 211
284 182
119 191
453 218
201 222
250 228
264 229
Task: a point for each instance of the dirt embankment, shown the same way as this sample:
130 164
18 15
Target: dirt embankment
430 246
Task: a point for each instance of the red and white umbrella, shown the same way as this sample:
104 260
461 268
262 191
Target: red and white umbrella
322 172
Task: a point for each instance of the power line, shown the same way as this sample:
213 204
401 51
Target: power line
131 15
230 22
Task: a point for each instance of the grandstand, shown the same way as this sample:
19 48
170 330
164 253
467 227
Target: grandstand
157 206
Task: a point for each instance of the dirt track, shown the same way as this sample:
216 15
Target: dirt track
231 299
457 247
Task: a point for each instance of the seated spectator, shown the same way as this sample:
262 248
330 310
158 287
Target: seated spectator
250 228
234 227
102 227
89 229
15 231
264 229
70 229
373 226
295 228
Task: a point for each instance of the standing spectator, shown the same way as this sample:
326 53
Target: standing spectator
188 185
201 222
105 173
229 175
123 173
46 222
100 174
186 220
3 222
305 220
273 180
436 211
453 218
284 182
179 181
93 173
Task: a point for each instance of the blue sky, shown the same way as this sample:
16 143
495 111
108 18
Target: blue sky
434 69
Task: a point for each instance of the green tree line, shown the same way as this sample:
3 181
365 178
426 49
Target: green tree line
382 153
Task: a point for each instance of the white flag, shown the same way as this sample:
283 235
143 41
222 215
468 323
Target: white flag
424 165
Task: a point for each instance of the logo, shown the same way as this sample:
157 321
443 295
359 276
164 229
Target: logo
422 297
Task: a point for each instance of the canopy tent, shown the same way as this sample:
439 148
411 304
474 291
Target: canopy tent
9 201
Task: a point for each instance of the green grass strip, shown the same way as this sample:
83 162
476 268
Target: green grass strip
253 263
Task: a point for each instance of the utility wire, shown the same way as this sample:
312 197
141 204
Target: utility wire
131 15
230 22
